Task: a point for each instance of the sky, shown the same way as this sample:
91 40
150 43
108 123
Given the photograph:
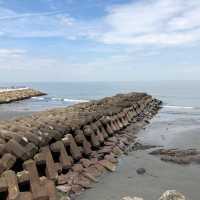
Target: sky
99 40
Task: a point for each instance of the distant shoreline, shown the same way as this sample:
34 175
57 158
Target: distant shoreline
9 95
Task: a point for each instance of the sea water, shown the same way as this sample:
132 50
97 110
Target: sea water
176 95
176 126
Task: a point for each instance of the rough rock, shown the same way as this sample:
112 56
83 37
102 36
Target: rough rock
182 157
138 146
108 165
172 195
68 146
141 171
64 188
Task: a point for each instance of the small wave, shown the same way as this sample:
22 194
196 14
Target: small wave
38 98
179 107
59 99
76 100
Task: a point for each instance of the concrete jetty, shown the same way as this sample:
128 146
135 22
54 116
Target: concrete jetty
66 149
8 95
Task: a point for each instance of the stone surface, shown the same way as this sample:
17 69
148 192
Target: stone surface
64 188
172 195
108 165
141 171
70 146
182 157
18 94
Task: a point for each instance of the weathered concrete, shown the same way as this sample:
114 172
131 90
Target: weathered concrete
69 146
11 95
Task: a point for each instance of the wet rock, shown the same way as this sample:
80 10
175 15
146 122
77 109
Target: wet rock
182 157
107 143
100 168
141 171
64 188
111 158
77 168
77 189
93 171
85 162
117 151
177 160
84 182
93 161
77 151
105 150
121 145
172 195
67 178
90 177
108 165
138 146
62 179
125 140
113 139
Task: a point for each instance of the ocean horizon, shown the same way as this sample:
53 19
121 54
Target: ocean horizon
176 95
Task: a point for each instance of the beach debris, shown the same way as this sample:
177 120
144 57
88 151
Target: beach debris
68 148
182 157
172 195
141 171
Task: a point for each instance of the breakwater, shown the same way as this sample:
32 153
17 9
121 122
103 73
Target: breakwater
68 147
8 95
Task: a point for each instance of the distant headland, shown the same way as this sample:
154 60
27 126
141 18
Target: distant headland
12 94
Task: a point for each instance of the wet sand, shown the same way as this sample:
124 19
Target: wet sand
8 115
160 177
170 128
15 109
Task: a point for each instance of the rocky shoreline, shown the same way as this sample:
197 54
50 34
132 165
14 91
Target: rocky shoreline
69 147
12 95
177 156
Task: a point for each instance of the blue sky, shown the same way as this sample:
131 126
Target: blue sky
99 40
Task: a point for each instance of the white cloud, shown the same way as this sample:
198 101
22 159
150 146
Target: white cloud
142 22
18 59
46 24
10 53
157 22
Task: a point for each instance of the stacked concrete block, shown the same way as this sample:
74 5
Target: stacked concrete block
67 145
11 95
